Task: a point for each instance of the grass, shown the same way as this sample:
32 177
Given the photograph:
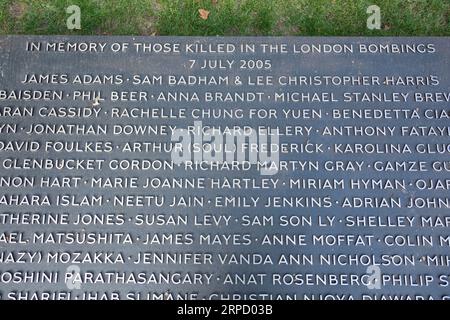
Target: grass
227 17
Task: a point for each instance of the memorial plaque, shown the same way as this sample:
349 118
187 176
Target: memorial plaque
163 168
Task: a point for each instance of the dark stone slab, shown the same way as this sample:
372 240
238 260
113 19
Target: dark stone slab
354 205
